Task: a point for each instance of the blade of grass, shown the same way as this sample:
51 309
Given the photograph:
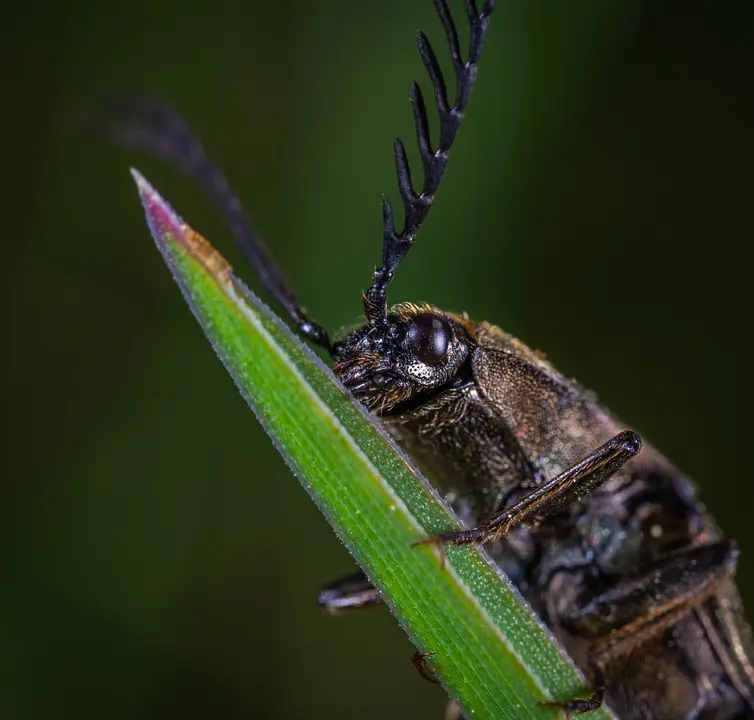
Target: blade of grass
490 652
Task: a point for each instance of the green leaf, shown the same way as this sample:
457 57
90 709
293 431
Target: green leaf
489 651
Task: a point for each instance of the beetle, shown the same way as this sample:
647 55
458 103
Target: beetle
603 536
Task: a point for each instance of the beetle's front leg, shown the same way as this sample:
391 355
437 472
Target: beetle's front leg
579 480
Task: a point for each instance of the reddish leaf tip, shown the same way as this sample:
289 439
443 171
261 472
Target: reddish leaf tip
161 218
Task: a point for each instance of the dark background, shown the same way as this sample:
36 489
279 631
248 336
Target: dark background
158 560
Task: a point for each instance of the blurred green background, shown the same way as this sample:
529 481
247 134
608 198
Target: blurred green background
158 559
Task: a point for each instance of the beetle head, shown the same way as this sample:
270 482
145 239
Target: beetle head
391 366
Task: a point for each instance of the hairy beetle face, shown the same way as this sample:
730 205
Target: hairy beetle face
419 350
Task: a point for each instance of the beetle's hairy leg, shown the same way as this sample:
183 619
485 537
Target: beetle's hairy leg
579 706
355 592
639 608
349 593
579 480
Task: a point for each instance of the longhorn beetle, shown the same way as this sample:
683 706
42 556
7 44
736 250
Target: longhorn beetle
605 539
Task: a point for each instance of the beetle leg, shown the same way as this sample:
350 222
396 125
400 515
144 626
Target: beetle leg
637 609
349 593
734 647
420 661
580 706
587 475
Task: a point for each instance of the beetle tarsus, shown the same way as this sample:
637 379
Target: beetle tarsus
419 659
579 706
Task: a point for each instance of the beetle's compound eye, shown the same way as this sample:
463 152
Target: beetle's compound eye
428 337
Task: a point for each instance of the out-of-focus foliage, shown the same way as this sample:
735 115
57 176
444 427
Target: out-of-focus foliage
597 205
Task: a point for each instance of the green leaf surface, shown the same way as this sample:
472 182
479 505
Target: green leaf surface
489 651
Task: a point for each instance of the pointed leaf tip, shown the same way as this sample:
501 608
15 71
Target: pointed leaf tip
170 232
141 182
161 218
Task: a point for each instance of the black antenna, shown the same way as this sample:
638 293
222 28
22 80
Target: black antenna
397 244
145 122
